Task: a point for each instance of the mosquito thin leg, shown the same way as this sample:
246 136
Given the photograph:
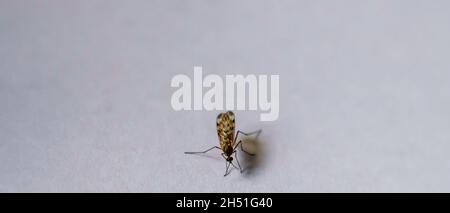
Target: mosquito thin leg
248 153
234 165
214 147
237 160
227 166
247 134
240 143
223 155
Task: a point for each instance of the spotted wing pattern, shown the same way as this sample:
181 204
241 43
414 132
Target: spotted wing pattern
225 129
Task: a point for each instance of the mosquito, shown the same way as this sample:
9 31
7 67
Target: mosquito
225 130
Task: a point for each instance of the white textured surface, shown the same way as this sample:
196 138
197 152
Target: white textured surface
85 95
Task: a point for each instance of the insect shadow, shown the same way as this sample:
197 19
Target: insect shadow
254 145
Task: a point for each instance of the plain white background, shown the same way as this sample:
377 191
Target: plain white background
85 95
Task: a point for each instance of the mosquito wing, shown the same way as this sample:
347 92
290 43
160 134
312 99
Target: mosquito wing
225 129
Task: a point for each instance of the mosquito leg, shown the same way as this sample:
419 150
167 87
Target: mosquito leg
237 160
248 153
247 134
223 155
240 143
227 166
233 165
214 147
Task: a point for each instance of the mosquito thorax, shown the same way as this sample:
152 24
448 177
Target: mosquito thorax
228 150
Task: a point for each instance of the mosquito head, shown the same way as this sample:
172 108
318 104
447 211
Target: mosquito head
229 159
